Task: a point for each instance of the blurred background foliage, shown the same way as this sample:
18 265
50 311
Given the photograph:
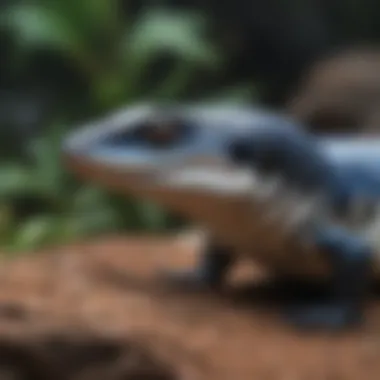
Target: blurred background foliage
66 61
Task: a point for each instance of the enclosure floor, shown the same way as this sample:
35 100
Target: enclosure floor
111 285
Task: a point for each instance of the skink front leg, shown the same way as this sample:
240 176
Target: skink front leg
350 260
214 263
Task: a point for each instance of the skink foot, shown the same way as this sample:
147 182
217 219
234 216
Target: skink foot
209 273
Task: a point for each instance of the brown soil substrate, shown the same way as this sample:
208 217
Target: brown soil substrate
98 311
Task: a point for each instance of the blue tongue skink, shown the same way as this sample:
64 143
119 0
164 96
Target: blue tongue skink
299 204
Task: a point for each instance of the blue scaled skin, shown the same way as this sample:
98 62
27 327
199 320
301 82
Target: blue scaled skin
300 159
342 170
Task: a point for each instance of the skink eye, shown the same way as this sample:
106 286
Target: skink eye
158 132
161 132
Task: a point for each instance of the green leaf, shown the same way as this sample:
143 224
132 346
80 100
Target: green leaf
15 180
40 26
91 212
6 221
86 198
99 14
176 82
52 25
86 224
34 232
48 171
163 31
153 217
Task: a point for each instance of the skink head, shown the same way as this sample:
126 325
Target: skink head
144 145
183 160
129 145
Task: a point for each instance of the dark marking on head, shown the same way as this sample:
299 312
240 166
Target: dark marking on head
290 154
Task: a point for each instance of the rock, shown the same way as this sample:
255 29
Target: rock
341 93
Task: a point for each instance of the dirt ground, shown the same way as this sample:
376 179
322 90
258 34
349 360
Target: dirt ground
98 311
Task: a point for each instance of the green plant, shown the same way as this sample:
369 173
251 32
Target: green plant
115 55
112 54
66 210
